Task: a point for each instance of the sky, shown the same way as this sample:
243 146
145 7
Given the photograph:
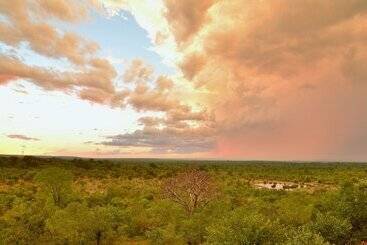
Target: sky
226 79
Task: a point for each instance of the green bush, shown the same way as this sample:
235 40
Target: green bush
243 227
334 229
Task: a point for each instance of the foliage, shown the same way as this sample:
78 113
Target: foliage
243 227
134 201
304 236
79 224
334 229
57 182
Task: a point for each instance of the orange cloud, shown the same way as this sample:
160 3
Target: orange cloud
192 65
93 76
66 10
100 97
276 79
253 60
164 83
187 17
26 25
138 71
4 78
161 98
98 76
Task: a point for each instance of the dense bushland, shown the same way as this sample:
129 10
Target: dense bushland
149 201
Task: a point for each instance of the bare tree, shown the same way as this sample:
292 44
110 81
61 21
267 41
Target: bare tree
190 189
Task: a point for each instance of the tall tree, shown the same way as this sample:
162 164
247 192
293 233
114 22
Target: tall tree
56 181
191 189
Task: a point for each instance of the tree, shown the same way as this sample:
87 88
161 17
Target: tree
23 223
191 189
103 221
294 209
334 229
78 223
352 205
244 227
57 181
70 224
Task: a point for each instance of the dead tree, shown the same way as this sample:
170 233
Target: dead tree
190 189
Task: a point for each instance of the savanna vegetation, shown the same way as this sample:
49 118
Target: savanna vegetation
149 201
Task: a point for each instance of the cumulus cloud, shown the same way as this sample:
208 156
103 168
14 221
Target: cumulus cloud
138 71
192 65
187 17
164 83
91 78
94 82
258 79
156 95
179 128
66 10
101 97
23 22
284 78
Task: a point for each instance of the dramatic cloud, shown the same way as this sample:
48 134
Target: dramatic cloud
179 126
255 79
192 65
21 137
253 61
187 17
145 99
95 81
156 97
24 23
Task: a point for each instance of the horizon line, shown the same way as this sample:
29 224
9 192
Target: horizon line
187 159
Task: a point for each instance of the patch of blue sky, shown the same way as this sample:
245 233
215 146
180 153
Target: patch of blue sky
120 38
7 50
